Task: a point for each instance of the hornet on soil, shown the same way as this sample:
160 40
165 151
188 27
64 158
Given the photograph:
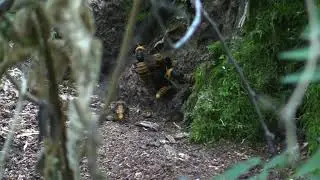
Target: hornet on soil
118 111
157 71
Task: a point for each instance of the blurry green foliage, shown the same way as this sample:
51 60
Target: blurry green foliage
309 169
239 169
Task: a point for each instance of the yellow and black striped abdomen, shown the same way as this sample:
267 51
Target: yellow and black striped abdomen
162 91
189 78
120 111
143 71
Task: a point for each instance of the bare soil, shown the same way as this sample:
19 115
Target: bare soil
127 151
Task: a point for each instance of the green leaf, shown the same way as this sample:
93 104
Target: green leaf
280 160
314 177
295 77
310 166
239 169
296 55
262 176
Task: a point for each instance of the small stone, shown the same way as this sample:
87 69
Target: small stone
163 141
157 144
183 156
170 138
138 175
154 143
110 118
147 114
148 124
181 135
171 151
143 147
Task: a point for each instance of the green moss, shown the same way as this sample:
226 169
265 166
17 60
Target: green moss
311 117
215 107
219 106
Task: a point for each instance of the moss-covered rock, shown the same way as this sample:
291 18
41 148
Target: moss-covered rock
219 106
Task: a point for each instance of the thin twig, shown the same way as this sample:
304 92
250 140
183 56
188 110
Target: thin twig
245 14
251 93
195 23
13 126
192 28
289 111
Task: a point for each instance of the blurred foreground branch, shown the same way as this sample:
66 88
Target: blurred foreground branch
75 22
288 113
195 23
30 28
111 91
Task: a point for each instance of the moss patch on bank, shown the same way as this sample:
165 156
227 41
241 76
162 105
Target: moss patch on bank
219 106
310 119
